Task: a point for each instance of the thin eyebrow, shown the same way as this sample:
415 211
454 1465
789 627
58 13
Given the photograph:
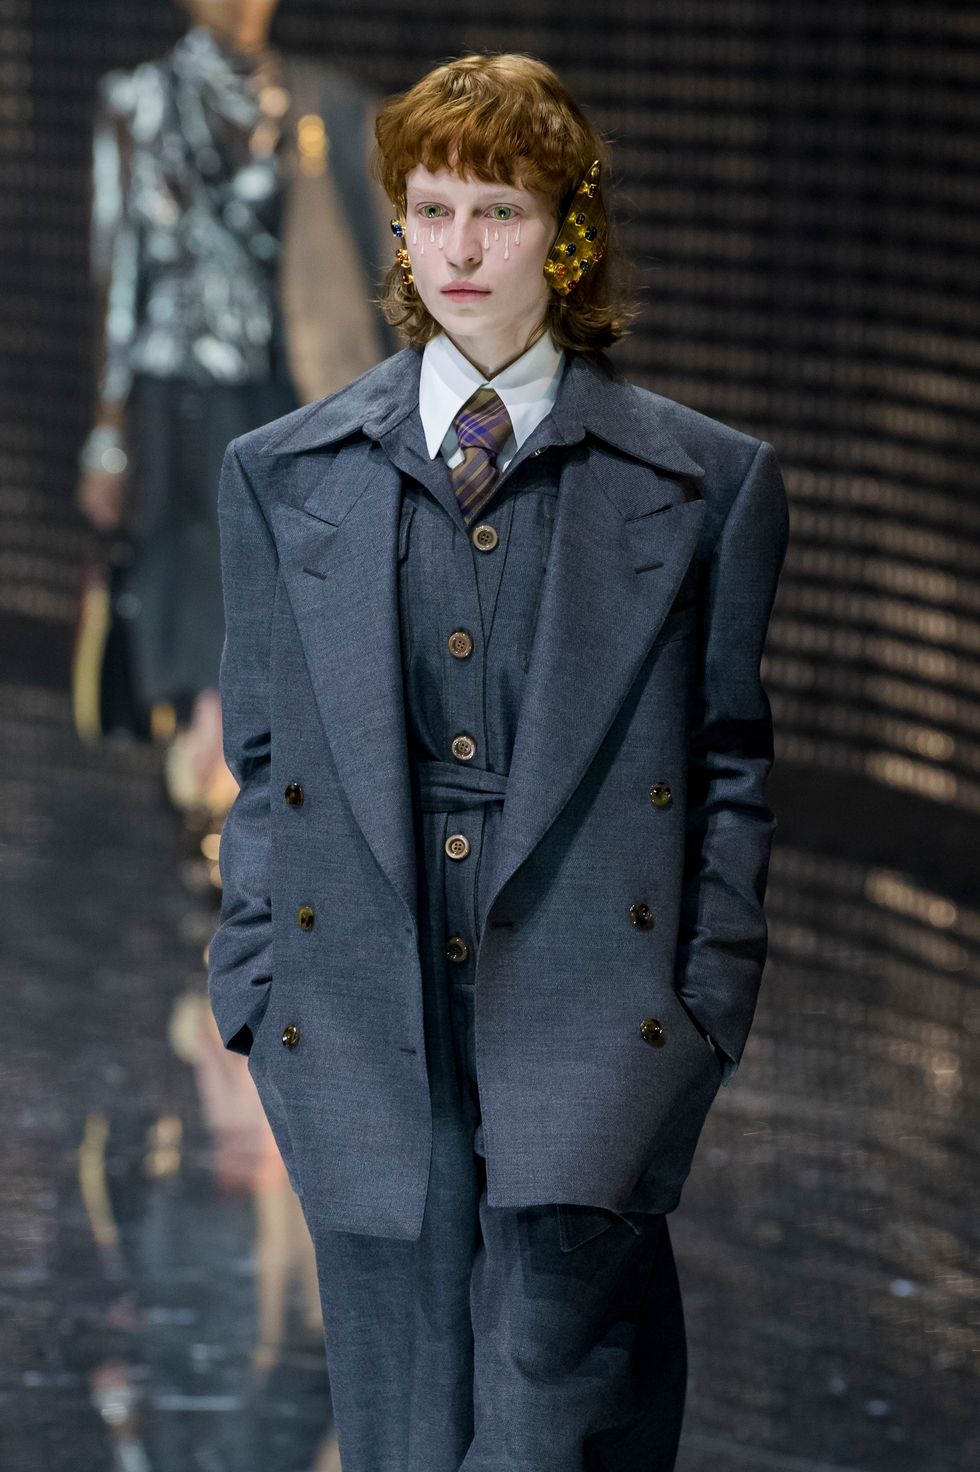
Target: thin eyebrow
479 207
489 197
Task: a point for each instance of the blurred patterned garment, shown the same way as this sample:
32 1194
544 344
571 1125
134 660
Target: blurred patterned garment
238 241
193 244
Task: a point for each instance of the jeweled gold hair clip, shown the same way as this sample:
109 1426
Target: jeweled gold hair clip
581 242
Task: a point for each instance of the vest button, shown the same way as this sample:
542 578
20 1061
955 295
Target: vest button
641 916
460 644
464 747
651 1031
660 795
290 1035
456 949
484 537
305 917
294 795
457 845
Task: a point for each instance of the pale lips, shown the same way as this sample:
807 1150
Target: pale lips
463 289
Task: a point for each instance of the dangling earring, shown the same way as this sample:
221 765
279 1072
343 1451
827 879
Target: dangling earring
401 254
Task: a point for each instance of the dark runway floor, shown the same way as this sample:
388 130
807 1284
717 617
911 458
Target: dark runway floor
156 1305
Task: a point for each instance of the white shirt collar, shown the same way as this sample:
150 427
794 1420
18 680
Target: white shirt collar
528 387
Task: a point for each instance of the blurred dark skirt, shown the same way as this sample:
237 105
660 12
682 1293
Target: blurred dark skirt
176 436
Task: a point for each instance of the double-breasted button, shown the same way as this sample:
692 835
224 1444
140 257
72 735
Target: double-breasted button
460 644
484 537
456 949
660 795
641 916
305 917
457 845
290 1035
652 1030
294 795
464 747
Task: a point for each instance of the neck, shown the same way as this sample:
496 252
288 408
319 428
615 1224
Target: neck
492 358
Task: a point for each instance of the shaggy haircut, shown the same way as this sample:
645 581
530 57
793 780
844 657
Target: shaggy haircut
502 118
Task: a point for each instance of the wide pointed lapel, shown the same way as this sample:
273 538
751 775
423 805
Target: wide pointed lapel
625 531
626 526
338 542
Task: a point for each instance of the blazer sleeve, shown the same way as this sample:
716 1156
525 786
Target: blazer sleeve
240 954
729 827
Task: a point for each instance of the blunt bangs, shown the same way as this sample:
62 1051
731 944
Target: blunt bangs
501 118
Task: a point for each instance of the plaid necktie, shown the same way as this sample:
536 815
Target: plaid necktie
482 426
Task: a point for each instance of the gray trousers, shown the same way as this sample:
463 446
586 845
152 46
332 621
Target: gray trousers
543 1339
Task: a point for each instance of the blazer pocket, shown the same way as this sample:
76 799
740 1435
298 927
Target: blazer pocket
580 1224
404 528
405 599
678 623
259 1029
699 1029
546 521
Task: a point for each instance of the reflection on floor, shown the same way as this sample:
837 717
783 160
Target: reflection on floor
157 1295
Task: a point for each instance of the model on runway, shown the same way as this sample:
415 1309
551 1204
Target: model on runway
492 924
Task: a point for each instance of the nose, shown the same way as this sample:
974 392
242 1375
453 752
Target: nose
463 243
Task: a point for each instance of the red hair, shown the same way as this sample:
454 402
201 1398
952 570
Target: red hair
502 118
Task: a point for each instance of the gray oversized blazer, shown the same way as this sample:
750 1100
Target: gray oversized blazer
670 531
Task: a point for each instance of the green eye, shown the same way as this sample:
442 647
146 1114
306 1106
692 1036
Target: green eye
503 212
433 207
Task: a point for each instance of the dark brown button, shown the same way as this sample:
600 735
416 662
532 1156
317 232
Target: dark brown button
641 916
290 1035
456 949
651 1030
464 747
457 845
305 917
294 795
460 644
660 795
484 537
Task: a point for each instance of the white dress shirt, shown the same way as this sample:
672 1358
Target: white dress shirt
528 388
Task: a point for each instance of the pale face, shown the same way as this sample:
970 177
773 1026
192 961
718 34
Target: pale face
478 252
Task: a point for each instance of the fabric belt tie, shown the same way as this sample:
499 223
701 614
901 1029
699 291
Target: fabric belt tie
445 787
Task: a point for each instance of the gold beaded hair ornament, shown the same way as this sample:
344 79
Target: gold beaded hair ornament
581 242
579 245
401 254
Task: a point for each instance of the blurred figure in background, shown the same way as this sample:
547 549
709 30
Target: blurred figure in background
237 241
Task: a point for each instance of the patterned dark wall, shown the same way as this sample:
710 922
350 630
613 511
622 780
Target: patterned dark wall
799 183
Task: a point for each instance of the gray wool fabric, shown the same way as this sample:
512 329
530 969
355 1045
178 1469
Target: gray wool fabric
486 1345
448 585
528 1339
612 934
476 978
